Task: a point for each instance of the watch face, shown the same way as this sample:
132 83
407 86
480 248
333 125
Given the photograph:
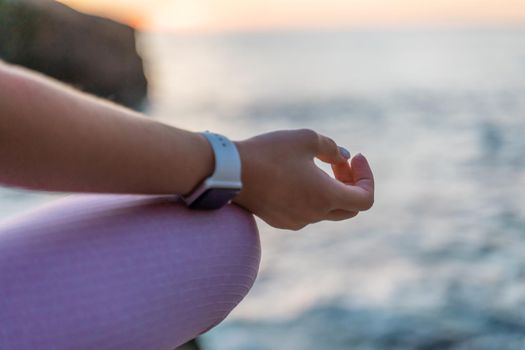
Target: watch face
214 198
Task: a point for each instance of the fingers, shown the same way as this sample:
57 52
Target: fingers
339 215
359 194
343 173
362 174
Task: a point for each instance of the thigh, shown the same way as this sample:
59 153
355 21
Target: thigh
121 272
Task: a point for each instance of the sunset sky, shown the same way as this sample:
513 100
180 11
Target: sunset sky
217 15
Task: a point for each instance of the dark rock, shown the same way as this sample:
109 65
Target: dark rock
94 54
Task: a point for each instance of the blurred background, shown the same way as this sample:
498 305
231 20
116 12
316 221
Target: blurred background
433 93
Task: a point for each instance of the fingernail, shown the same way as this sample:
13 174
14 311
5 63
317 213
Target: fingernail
344 152
360 155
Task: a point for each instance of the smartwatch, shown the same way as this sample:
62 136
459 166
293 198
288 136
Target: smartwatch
225 183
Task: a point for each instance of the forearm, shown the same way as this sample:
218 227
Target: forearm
54 138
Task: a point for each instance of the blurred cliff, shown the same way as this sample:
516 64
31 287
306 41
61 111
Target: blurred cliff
91 53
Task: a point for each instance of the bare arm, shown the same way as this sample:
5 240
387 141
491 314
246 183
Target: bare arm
55 138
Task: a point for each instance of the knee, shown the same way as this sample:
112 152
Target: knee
234 255
128 261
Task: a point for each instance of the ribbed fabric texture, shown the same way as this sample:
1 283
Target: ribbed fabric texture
121 272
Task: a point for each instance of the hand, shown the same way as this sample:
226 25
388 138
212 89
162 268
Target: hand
283 186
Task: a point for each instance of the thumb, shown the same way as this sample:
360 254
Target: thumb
329 152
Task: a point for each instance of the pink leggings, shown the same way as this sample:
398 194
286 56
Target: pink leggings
121 272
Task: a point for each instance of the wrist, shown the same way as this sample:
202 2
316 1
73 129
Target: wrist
243 149
203 162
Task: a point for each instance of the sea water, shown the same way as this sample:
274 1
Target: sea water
439 262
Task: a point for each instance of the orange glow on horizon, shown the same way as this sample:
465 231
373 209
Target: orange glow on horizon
220 15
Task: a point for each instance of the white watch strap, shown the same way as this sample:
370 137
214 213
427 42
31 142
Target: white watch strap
227 173
227 161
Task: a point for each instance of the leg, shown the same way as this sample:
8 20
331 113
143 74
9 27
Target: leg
121 272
